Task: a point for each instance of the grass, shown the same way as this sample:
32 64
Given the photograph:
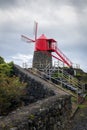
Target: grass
74 99
82 106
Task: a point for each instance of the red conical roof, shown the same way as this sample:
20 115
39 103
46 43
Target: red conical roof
43 37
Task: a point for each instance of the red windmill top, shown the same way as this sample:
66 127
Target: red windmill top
45 44
49 45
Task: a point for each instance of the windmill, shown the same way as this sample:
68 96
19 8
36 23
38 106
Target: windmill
43 51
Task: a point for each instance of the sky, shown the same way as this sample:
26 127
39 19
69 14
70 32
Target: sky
63 20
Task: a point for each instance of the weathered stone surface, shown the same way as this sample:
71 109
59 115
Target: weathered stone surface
51 110
42 115
36 90
41 59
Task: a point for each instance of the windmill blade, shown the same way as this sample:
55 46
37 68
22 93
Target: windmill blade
27 39
35 29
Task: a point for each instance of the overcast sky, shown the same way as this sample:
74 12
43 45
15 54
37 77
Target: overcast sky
63 20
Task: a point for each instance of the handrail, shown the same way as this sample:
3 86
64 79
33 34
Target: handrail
65 75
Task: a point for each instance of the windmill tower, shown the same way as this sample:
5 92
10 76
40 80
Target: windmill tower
43 51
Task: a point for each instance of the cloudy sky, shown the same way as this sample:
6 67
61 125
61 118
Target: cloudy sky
63 20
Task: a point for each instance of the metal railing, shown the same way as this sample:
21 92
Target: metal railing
63 76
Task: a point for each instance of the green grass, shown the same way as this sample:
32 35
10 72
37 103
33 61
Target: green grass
73 99
82 106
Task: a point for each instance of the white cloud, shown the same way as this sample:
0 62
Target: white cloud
21 59
67 15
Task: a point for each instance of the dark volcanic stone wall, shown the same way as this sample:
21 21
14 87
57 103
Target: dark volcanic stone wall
41 59
35 89
50 113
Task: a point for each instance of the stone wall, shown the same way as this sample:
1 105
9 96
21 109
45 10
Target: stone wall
50 111
41 59
35 90
48 114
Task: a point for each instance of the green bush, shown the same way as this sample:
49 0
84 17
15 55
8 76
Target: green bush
1 60
11 89
6 69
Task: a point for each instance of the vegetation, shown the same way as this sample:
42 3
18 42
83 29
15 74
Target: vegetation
1 60
82 106
81 75
11 89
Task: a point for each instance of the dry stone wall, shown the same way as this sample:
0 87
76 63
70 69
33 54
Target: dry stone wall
35 90
51 112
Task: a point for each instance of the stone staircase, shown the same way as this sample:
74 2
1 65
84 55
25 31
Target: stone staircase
59 75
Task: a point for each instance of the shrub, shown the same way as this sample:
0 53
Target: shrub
11 89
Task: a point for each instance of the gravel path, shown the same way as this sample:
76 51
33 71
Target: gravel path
79 122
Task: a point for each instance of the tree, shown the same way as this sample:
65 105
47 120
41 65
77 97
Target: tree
5 69
1 60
